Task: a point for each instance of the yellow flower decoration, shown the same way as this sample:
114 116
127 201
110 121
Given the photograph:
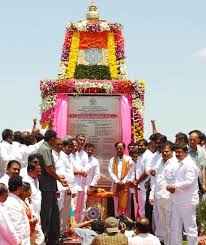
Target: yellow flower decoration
112 56
73 55
44 125
143 84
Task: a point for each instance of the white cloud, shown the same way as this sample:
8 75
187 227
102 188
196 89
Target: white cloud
200 53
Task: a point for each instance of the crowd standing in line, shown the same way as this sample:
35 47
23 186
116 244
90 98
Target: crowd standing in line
43 178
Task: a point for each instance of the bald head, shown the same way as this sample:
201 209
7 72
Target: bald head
142 226
194 140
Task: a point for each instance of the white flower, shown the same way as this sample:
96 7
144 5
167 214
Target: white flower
62 70
104 26
81 25
48 102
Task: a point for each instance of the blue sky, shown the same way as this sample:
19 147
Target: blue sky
165 46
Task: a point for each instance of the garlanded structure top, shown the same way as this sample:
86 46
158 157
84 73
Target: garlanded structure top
93 61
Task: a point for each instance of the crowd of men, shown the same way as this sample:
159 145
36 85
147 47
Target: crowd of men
44 178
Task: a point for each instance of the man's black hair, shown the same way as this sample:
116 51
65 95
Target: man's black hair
29 140
154 136
15 182
34 155
181 147
68 142
6 133
89 145
39 137
3 189
144 142
49 134
182 136
117 143
163 139
26 186
17 137
98 226
11 162
169 144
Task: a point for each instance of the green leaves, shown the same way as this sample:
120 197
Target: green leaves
98 72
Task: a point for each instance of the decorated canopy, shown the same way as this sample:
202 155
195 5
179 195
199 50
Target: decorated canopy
93 61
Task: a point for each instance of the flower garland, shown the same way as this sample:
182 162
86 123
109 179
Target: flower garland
136 89
66 47
73 55
112 56
62 70
94 87
51 87
79 37
122 69
119 45
97 26
93 34
47 117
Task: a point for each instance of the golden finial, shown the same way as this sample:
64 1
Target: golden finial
92 13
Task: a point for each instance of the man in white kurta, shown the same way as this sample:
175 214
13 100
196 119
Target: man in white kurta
16 211
21 152
6 149
92 168
185 198
13 168
164 176
157 157
8 234
142 175
119 171
33 173
79 161
65 167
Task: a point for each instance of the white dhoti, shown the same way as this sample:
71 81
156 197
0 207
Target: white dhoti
156 222
64 212
165 217
184 215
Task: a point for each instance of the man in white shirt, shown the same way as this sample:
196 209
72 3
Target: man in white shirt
66 193
21 152
142 174
92 169
16 211
79 160
185 198
6 149
164 176
119 170
78 172
89 181
159 140
143 237
33 173
8 234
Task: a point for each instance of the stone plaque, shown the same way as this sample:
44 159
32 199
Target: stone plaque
99 119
